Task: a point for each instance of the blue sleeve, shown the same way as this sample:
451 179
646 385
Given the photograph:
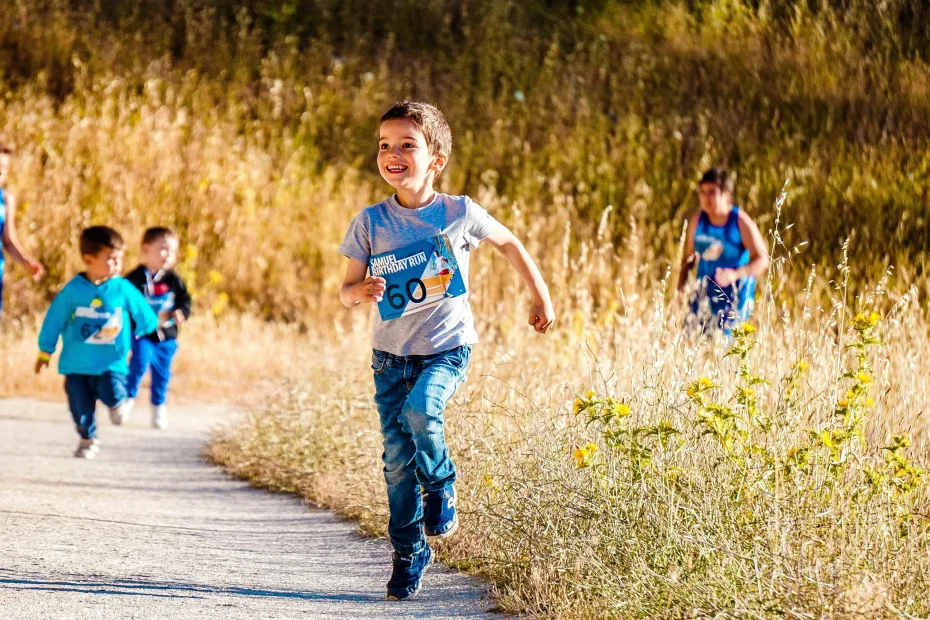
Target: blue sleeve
57 317
142 314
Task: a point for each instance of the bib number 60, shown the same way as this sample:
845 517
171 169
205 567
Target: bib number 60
416 292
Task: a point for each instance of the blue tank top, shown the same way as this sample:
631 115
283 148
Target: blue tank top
721 247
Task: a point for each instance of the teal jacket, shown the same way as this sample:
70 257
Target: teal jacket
94 324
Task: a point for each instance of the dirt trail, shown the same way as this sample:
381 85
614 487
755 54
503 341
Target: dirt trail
148 530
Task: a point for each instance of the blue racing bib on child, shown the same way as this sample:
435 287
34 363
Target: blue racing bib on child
419 276
721 247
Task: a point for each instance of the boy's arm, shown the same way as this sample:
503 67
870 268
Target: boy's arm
542 314
356 288
141 313
182 298
758 255
52 326
687 257
11 242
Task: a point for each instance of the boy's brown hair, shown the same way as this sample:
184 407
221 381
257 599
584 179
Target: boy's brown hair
719 177
429 120
156 233
96 238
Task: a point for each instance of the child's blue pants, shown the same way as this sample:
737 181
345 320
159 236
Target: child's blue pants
83 393
158 356
411 393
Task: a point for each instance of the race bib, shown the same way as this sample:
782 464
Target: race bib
95 325
419 276
162 302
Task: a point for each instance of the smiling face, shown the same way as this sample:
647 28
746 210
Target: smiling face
104 264
404 159
160 254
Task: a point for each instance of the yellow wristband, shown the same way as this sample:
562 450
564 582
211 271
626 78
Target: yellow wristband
44 357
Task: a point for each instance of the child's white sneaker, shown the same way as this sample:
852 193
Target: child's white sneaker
120 413
160 416
87 449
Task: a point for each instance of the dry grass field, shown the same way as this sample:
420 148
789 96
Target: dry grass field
616 467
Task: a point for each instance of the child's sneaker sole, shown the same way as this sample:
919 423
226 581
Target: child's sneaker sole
450 532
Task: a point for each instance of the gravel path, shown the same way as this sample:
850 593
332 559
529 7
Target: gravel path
148 530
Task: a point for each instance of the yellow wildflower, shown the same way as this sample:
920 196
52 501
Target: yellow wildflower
191 252
584 454
578 406
589 394
748 392
864 377
706 383
215 276
748 328
692 392
843 403
802 366
869 402
865 320
622 409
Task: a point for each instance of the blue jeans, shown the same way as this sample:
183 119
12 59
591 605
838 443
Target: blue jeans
411 393
83 393
158 356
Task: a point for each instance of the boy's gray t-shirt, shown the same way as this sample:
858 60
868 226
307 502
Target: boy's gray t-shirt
388 226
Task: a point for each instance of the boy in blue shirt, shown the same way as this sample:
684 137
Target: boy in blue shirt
424 329
167 294
92 315
725 243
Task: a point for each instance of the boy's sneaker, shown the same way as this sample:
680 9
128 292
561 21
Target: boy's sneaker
120 413
160 417
87 449
408 574
439 517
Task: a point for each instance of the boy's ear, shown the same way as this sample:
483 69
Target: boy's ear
439 162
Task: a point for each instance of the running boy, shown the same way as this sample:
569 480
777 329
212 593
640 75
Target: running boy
90 316
10 242
422 340
167 294
730 254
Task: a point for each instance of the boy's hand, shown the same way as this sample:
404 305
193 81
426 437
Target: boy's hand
542 315
179 317
725 277
368 290
41 362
